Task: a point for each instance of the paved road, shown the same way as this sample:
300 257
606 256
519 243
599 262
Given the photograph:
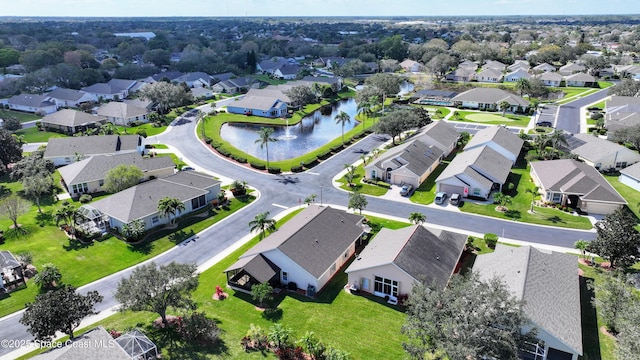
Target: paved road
278 191
568 117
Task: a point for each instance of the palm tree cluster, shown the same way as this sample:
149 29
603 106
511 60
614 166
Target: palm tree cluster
548 147
169 207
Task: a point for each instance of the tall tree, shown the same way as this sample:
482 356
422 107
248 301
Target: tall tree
364 109
169 207
389 84
156 288
134 230
166 95
59 310
67 214
629 335
10 150
343 118
523 86
264 138
470 319
37 186
357 201
32 165
301 95
417 218
535 192
617 240
504 106
122 177
261 293
12 207
261 223
614 298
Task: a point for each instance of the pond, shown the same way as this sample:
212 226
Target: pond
309 134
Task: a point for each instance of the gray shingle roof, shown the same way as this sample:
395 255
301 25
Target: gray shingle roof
547 283
484 159
66 94
31 100
550 76
114 86
632 171
121 110
580 77
69 117
415 155
499 135
91 145
193 76
142 200
593 148
442 132
574 177
425 255
97 167
263 103
95 336
314 238
223 76
490 96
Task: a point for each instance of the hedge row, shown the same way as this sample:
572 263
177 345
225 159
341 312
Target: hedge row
258 166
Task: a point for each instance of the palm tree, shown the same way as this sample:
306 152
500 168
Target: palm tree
417 218
343 118
364 108
169 207
48 276
502 199
582 245
522 85
262 224
534 194
67 214
264 138
134 230
542 140
557 138
504 106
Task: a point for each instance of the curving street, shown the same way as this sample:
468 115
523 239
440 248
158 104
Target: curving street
284 191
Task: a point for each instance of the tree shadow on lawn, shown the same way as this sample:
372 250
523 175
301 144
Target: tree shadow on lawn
44 218
556 220
590 333
178 348
75 245
514 179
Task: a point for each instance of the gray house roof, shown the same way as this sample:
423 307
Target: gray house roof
632 171
289 69
263 103
31 100
550 76
498 135
490 96
417 156
95 336
91 145
593 148
479 161
69 117
114 86
313 239
547 283
122 110
194 76
142 200
96 167
223 76
442 132
574 177
427 255
580 77
66 94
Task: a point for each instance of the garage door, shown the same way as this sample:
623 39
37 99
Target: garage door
450 189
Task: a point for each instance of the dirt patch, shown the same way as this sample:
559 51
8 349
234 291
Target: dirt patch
606 332
217 297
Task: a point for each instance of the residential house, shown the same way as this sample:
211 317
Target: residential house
570 68
543 68
490 99
335 81
550 78
222 77
202 93
194 79
307 251
10 272
395 260
630 176
71 121
461 74
133 345
235 85
195 190
32 103
69 97
435 97
373 67
411 66
87 176
632 71
122 113
500 139
114 89
163 76
468 64
621 112
270 66
409 163
575 184
441 134
489 75
600 153
519 64
287 71
548 285
264 106
517 75
494 65
63 151
580 79
475 172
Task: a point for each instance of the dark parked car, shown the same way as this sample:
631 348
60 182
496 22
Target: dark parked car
545 124
455 199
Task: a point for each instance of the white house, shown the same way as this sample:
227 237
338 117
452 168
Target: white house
580 79
489 75
409 163
517 75
32 103
489 99
550 78
411 66
630 176
63 151
123 113
600 153
500 139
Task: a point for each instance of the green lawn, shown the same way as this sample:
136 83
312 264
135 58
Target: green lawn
148 128
335 316
32 135
363 188
631 195
491 118
81 264
176 160
425 193
21 116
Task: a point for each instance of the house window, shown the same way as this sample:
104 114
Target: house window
101 182
346 254
80 188
198 202
385 286
621 164
285 276
556 197
154 220
333 269
476 192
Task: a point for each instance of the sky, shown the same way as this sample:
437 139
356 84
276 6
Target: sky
270 8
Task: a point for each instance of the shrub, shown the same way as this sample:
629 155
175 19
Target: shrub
383 184
257 166
208 140
292 286
336 148
297 168
238 158
274 170
223 151
142 132
197 327
491 240
85 198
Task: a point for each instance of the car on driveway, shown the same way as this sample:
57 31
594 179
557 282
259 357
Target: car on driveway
406 190
454 199
545 124
440 197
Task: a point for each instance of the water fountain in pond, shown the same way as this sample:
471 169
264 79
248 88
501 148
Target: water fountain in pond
287 135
